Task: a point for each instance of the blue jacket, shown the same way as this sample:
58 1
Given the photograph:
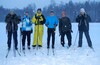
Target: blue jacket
51 21
26 23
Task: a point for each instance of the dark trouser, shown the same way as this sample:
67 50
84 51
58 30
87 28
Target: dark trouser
24 35
87 37
10 33
51 32
69 37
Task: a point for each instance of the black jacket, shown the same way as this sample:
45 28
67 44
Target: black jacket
83 22
64 25
12 22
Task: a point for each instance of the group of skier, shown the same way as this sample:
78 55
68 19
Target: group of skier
51 22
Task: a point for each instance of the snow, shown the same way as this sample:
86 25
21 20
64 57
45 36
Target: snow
63 56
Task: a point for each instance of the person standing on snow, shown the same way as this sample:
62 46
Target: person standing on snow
83 26
65 28
26 30
51 23
12 21
39 21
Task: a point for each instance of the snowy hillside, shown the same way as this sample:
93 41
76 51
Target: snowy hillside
63 56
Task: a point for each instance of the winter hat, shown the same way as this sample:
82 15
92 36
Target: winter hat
51 11
82 10
39 9
63 12
26 11
11 10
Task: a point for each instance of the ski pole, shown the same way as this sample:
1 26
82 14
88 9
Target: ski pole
93 49
48 51
37 35
75 38
14 47
53 51
7 53
20 40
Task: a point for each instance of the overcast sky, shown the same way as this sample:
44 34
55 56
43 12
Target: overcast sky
39 3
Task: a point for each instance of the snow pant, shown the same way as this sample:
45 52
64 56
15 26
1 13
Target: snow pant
51 32
10 33
69 37
24 35
87 37
38 34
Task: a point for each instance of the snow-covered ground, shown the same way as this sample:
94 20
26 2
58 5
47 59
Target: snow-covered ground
63 56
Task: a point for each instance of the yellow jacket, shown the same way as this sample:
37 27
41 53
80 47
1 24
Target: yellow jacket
38 19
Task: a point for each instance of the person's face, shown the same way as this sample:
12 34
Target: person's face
51 14
82 13
11 13
38 11
26 14
63 14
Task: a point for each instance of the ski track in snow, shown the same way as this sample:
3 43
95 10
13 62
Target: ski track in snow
63 56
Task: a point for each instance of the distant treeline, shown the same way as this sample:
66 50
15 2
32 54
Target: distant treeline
72 9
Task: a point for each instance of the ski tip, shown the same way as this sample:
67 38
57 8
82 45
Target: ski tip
19 54
53 54
6 56
87 55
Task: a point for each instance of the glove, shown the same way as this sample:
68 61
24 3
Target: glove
83 16
46 25
37 17
60 33
71 31
31 31
30 23
21 31
55 25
